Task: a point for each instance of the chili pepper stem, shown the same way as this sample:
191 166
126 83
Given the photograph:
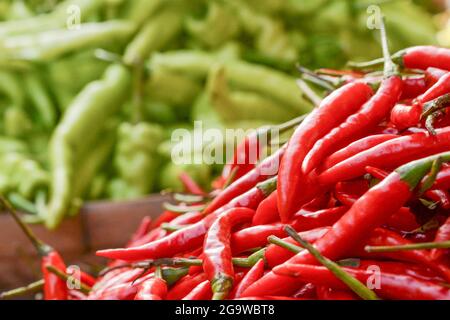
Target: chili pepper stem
31 288
413 246
284 244
62 275
354 284
42 248
221 286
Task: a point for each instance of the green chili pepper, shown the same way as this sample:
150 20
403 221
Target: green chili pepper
218 27
276 85
239 105
98 102
135 159
154 35
51 44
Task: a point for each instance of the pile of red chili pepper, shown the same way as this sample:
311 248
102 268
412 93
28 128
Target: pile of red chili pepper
359 207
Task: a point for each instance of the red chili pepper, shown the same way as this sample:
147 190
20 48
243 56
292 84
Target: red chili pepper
423 57
143 229
413 86
267 211
432 75
443 234
187 218
357 147
357 224
266 169
217 262
441 87
443 179
165 217
326 293
383 237
366 119
256 236
191 236
440 196
54 287
406 116
276 255
201 292
190 185
391 286
293 188
307 291
388 154
154 288
185 285
255 273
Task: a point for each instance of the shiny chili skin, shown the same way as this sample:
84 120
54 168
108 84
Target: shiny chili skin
185 285
358 124
423 57
406 116
413 86
443 234
152 289
255 273
432 75
189 237
388 154
245 156
54 287
267 168
267 211
441 87
293 187
356 147
353 227
443 179
217 261
201 292
392 286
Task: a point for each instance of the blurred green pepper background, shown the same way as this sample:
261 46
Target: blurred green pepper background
91 90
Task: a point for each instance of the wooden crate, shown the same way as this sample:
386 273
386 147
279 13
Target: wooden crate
99 225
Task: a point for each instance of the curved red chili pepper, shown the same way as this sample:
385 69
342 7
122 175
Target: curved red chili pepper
432 75
217 262
443 234
267 211
388 154
144 228
356 147
255 273
201 292
441 87
392 286
152 289
366 119
185 285
292 189
443 179
267 168
165 217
